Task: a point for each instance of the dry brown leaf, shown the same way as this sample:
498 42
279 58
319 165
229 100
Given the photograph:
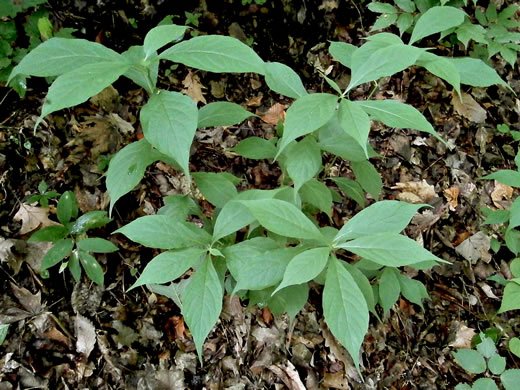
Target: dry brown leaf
274 114
415 191
463 336
193 88
30 302
501 192
255 101
468 108
336 380
85 335
475 247
452 195
32 217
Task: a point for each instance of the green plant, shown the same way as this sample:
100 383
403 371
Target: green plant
70 240
265 245
485 359
44 196
504 129
257 2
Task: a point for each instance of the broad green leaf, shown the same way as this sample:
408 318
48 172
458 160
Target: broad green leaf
476 73
140 72
468 31
3 332
514 267
342 52
514 220
463 386
389 249
159 36
396 114
168 266
179 207
512 239
511 297
389 288
67 207
470 360
317 194
382 62
514 346
233 216
383 39
256 148
351 188
303 161
49 233
355 122
92 267
290 300
497 364
505 176
97 245
215 187
74 266
283 218
161 231
76 86
215 53
282 79
304 267
306 115
364 286
382 8
174 291
510 379
60 55
404 22
496 217
90 220
435 20
484 384
169 122
441 67
392 216
60 250
368 177
202 303
384 21
222 114
413 290
406 5
345 309
127 167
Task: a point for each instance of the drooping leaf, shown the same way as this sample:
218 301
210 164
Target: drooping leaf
389 288
233 216
413 290
142 73
317 194
168 266
384 21
74 265
368 177
90 220
342 52
97 245
404 22
49 233
306 115
169 122
290 300
476 73
202 303
303 161
222 114
511 297
60 250
345 309
179 207
215 187
505 176
92 267
351 188
215 53
355 122
161 231
364 285
256 148
441 67
392 216
435 20
159 36
282 79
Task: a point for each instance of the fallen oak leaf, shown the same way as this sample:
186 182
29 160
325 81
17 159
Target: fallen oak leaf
32 217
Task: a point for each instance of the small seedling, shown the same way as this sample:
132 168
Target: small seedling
43 196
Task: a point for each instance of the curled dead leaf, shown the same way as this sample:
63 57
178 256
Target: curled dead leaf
501 192
32 217
274 114
452 194
415 191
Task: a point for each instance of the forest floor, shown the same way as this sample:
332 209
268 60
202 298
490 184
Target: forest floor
137 340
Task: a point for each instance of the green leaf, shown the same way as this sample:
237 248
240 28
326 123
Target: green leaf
90 220
140 71
76 86
511 297
283 80
470 360
59 55
342 52
441 67
512 239
222 114
505 176
514 267
382 62
497 364
233 216
161 231
389 249
435 20
384 21
514 346
3 332
486 347
364 285
168 266
345 309
510 379
159 36
174 291
381 8
404 22
283 218
496 217
60 250
468 31
463 386
215 53
67 207
74 266
304 267
290 300
306 115
368 177
179 207
49 233
396 114
202 303
91 267
514 219
256 148
389 288
97 245
392 216
169 122
355 122
303 161
484 384
215 187
351 188
413 290
405 5
127 167
317 194
476 73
